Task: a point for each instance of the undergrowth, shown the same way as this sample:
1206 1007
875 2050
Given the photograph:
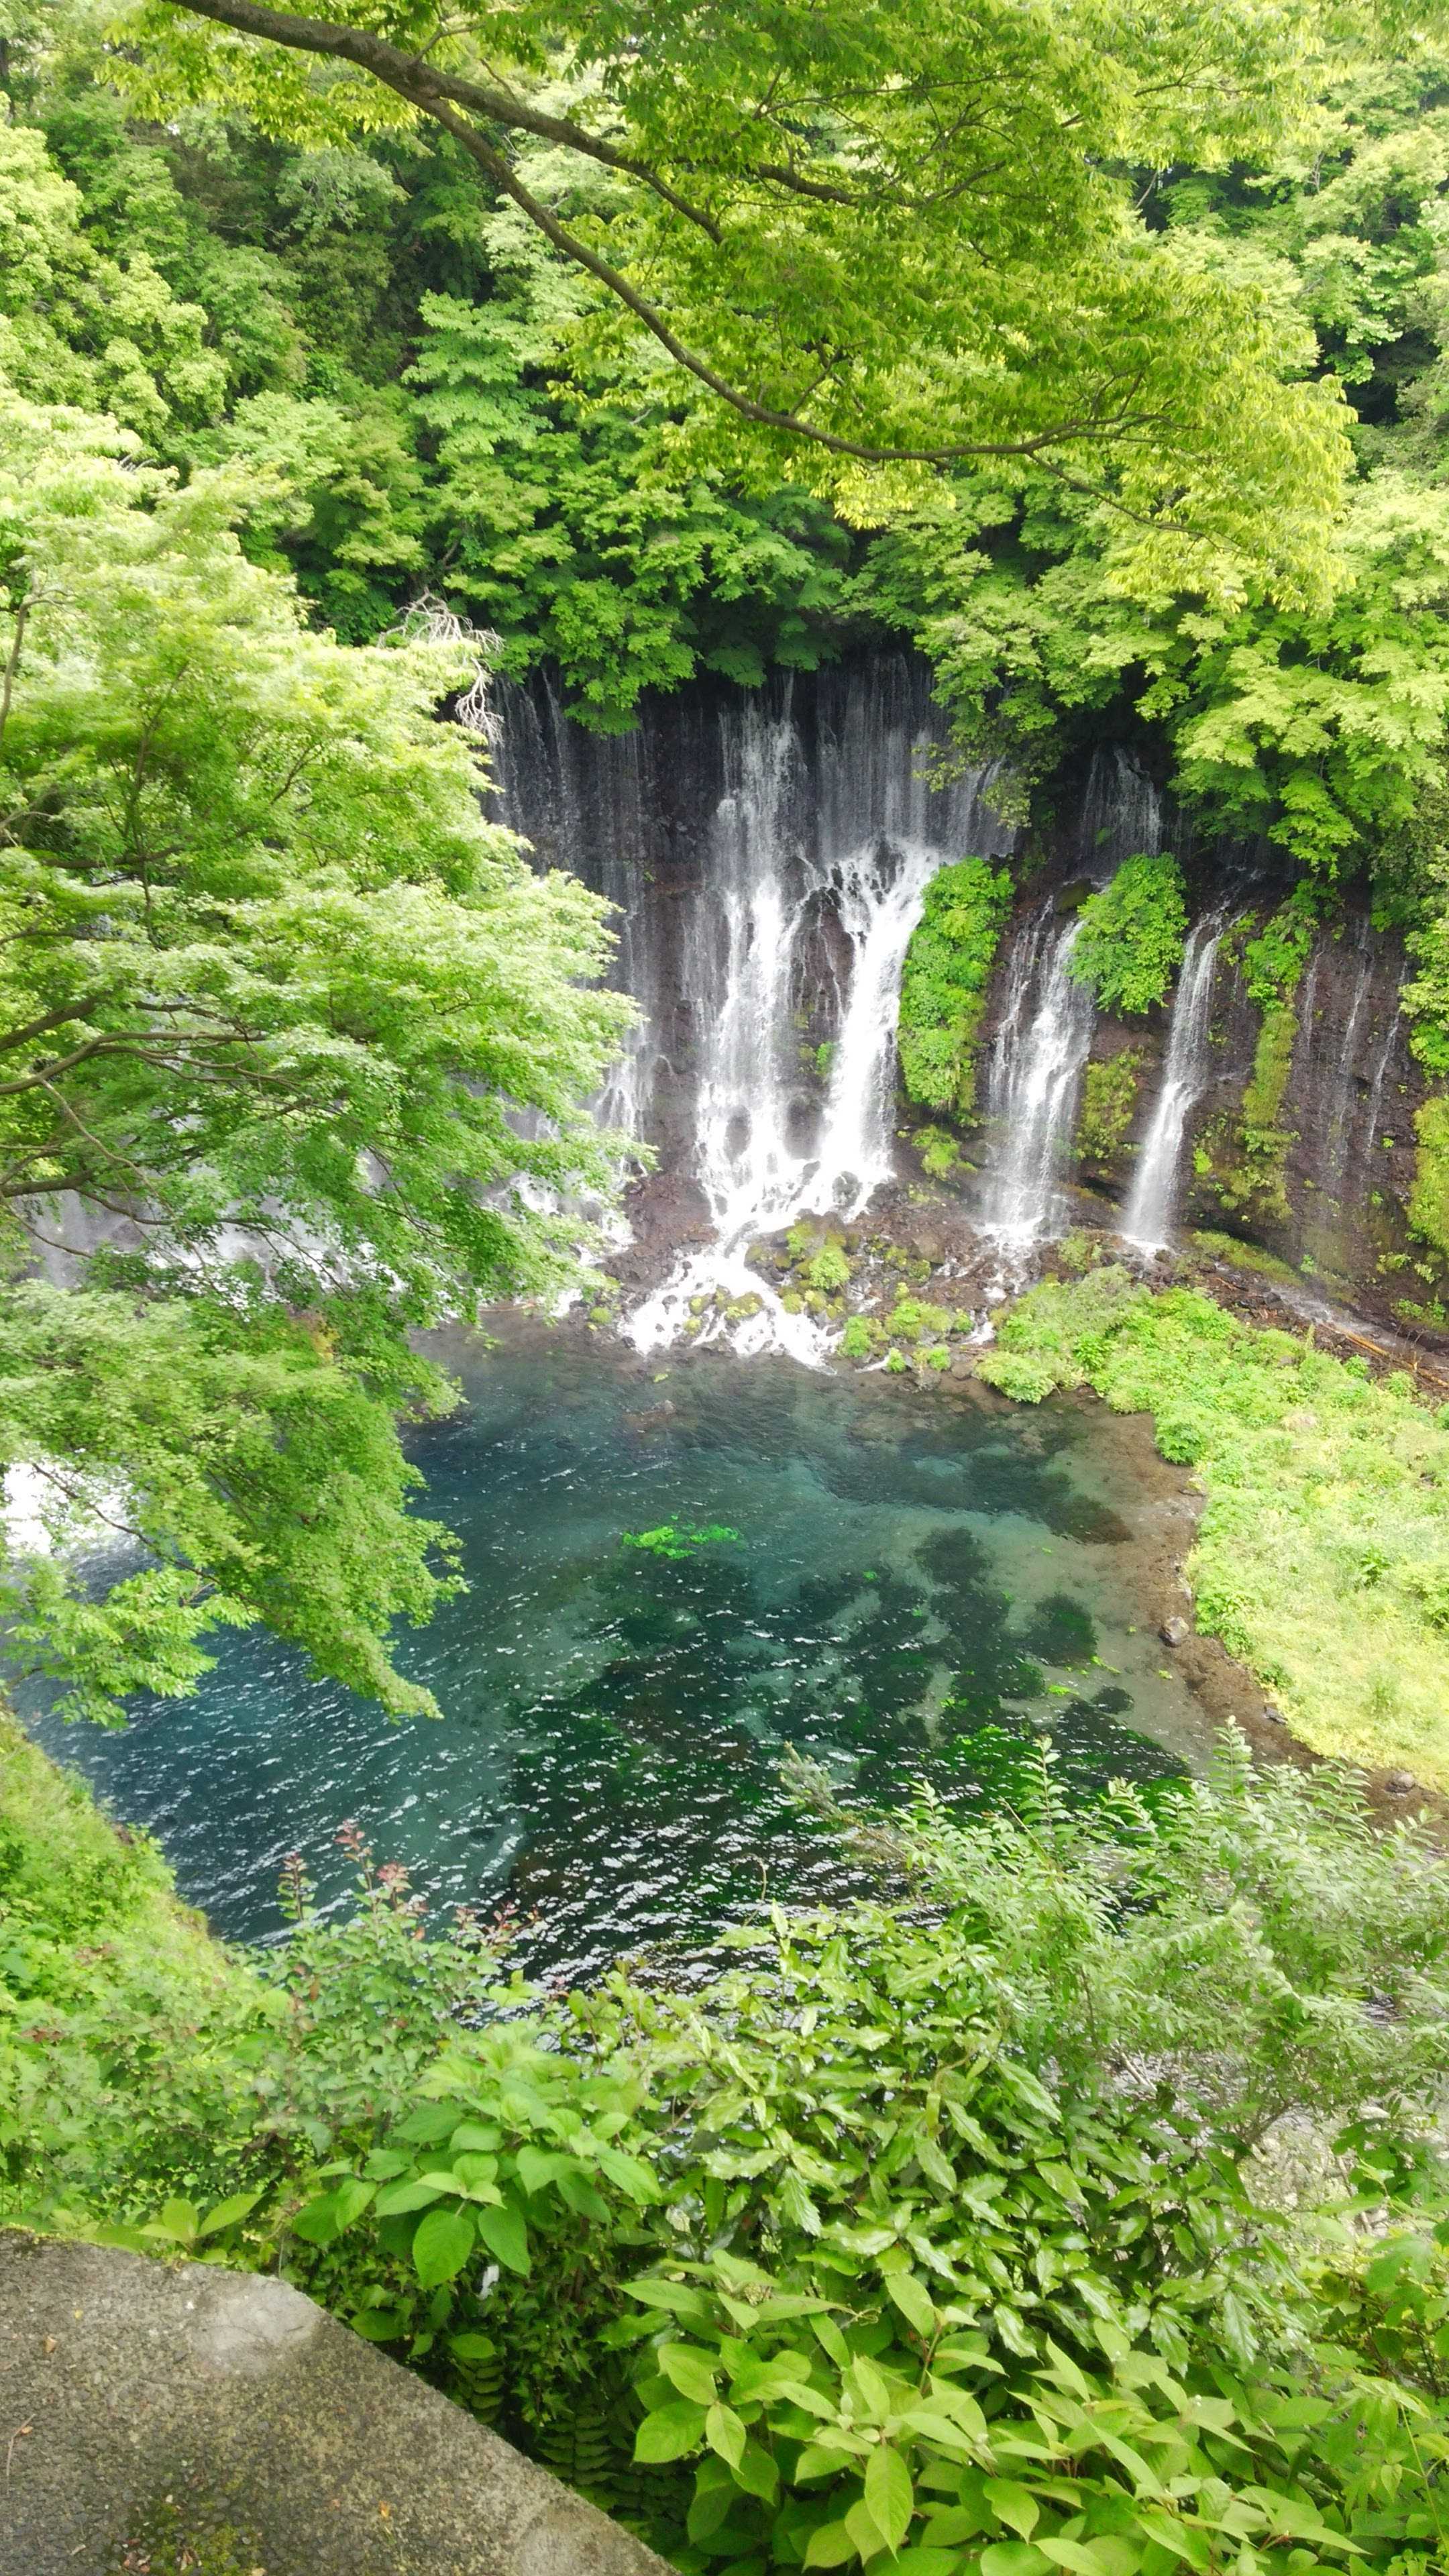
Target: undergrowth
1322 1557
927 2240
1109 1105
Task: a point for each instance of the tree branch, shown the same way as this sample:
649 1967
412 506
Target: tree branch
426 88
419 81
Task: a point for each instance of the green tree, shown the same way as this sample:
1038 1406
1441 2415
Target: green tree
883 242
272 999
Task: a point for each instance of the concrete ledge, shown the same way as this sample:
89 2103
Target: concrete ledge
271 2438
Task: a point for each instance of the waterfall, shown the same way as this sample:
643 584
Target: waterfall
1382 1062
1346 1097
1036 1067
1121 814
1147 1221
824 836
1044 1033
1354 1064
588 803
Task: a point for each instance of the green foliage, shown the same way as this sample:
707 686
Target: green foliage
861 1337
1130 943
161 2087
1320 726
778 189
829 1268
938 1150
882 2242
573 535
1246 1160
673 1540
81 328
1275 956
912 1319
361 331
1429 1201
1322 1556
1268 1081
270 982
943 983
1109 1105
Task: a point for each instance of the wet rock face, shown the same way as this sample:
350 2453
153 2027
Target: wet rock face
180 2408
1353 1090
1303 1149
1320 1176
1304 1152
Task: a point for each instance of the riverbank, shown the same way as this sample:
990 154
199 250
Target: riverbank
1322 1556
106 1980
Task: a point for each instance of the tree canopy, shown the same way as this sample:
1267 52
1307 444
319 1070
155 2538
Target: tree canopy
274 1001
885 241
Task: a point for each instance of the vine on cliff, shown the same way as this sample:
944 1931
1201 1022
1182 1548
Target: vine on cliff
1130 943
943 986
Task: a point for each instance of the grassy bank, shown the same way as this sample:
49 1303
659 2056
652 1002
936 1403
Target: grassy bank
105 1977
1322 1559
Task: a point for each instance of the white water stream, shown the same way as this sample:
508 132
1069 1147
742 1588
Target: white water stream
850 862
1147 1218
1035 1074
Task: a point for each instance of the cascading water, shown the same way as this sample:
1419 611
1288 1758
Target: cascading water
586 802
1342 1060
1346 1099
1035 1073
1121 814
1044 1034
848 849
1147 1219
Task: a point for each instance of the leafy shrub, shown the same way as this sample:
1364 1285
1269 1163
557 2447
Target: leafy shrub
1274 959
829 1268
882 2244
939 1151
860 1337
1129 946
913 1319
944 980
869 2248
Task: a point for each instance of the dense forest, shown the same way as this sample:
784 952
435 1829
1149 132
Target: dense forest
1074 2200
